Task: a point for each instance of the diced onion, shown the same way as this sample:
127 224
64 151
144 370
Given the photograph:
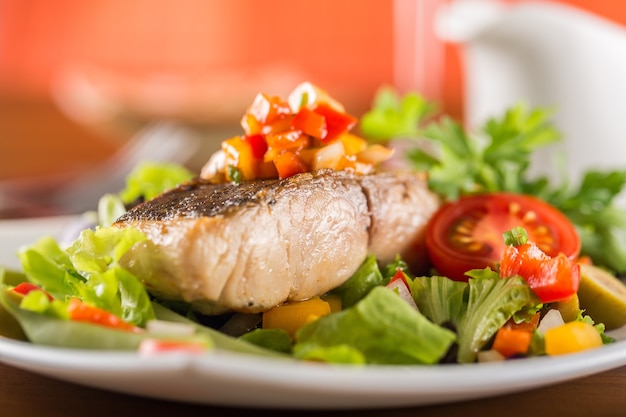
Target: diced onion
551 319
491 355
215 165
306 94
401 289
375 154
169 328
328 156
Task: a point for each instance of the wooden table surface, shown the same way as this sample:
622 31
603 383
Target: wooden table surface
24 394
26 130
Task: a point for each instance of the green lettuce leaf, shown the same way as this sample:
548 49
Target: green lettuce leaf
110 208
9 326
360 283
475 309
53 331
89 269
440 299
149 179
273 339
382 327
45 329
492 301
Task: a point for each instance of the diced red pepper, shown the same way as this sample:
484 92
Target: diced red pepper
528 326
265 112
399 284
310 123
289 164
151 346
510 341
336 122
399 276
551 278
258 144
290 139
79 311
26 287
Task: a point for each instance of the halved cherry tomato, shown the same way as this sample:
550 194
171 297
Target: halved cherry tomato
551 278
467 234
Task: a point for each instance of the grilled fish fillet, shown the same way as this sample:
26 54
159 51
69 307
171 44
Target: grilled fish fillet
251 246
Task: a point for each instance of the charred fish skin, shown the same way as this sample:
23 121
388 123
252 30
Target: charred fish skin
251 246
200 198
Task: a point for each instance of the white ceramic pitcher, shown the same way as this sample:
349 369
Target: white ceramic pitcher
546 54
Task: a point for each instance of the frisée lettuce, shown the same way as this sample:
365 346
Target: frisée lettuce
90 271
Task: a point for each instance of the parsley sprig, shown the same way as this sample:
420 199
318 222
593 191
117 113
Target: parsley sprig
497 157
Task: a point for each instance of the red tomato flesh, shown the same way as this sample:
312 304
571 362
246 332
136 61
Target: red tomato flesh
467 234
551 278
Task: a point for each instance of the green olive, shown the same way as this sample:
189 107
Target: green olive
603 296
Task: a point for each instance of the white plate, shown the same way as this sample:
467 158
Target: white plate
246 381
222 378
15 233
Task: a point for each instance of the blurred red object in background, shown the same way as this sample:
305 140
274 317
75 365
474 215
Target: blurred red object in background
203 62
245 45
194 49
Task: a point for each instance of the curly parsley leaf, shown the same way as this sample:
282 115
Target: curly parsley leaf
592 208
393 116
497 157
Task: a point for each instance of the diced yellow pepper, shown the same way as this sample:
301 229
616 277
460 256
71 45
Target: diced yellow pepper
353 144
571 337
239 154
292 316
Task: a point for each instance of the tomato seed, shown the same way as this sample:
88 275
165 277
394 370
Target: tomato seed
459 240
515 208
529 217
475 246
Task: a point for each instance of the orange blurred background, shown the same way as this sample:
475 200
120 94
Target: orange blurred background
77 78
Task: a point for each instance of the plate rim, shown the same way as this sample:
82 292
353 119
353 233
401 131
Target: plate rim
342 386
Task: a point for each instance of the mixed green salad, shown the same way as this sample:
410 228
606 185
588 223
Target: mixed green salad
76 294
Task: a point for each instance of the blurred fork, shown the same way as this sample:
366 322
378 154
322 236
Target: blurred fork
157 142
